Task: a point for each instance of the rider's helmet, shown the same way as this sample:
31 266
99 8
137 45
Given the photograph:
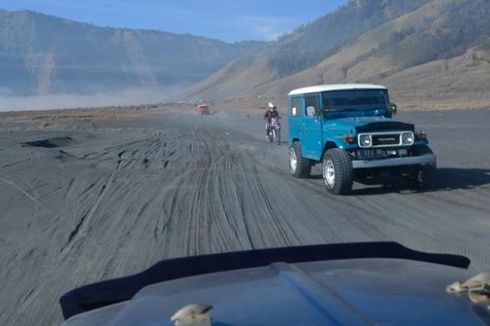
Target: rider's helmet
271 106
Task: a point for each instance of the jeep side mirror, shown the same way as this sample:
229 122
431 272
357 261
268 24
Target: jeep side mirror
311 111
393 108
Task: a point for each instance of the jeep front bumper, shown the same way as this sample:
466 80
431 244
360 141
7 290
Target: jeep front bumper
428 159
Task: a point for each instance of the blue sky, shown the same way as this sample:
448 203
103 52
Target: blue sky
228 20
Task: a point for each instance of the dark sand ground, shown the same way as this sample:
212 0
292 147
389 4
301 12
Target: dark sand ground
91 196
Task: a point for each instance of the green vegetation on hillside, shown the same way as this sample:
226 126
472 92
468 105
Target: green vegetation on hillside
423 49
310 44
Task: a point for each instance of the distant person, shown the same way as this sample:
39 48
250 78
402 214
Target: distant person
268 115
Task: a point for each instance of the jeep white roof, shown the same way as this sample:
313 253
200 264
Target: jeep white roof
333 87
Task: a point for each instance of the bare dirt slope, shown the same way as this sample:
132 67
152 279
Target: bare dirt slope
86 201
430 53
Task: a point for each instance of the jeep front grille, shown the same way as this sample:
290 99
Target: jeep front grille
386 139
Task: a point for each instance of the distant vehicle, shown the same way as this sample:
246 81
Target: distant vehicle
380 283
349 129
202 109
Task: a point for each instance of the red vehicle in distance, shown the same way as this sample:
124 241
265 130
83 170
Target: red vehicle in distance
202 109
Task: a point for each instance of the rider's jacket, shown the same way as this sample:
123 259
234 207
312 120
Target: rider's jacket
271 114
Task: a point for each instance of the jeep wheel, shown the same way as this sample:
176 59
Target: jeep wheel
337 172
424 176
299 167
428 176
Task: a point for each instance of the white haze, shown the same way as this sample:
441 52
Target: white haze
133 96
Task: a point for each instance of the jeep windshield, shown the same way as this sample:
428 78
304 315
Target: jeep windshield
355 100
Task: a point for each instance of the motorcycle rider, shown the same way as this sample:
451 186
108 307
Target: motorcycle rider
268 115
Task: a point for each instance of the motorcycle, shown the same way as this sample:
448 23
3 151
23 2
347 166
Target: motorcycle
274 131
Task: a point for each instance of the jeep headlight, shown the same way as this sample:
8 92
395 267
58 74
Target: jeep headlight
407 138
364 140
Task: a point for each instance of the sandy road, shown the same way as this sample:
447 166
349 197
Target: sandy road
111 198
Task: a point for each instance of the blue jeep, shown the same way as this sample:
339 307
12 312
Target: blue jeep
350 130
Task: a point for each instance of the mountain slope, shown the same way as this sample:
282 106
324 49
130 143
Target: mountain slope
45 54
440 43
304 47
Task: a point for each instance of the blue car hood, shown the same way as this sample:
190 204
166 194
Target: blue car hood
336 292
362 124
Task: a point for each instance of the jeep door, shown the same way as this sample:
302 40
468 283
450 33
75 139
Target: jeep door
312 127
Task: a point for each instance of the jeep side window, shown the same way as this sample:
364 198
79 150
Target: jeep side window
311 104
296 106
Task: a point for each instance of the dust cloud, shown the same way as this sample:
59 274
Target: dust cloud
133 96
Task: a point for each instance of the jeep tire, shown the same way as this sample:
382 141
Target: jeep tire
299 167
424 176
337 171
